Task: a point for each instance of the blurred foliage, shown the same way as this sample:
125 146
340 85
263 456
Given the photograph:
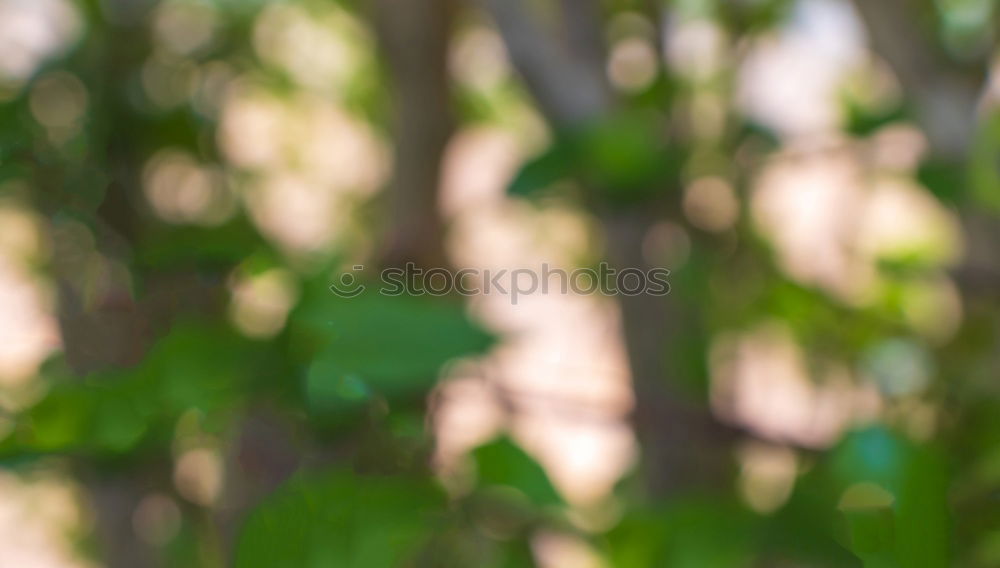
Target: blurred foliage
343 385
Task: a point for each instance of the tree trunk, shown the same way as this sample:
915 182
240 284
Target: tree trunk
683 446
414 38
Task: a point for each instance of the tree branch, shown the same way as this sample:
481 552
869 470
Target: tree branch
945 95
584 33
569 91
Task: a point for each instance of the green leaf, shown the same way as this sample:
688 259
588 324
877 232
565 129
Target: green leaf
340 519
393 345
503 463
555 164
58 421
693 532
200 366
912 528
923 522
193 366
224 245
626 157
945 180
862 120
985 164
868 509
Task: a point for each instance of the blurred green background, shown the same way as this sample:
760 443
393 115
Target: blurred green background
181 181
